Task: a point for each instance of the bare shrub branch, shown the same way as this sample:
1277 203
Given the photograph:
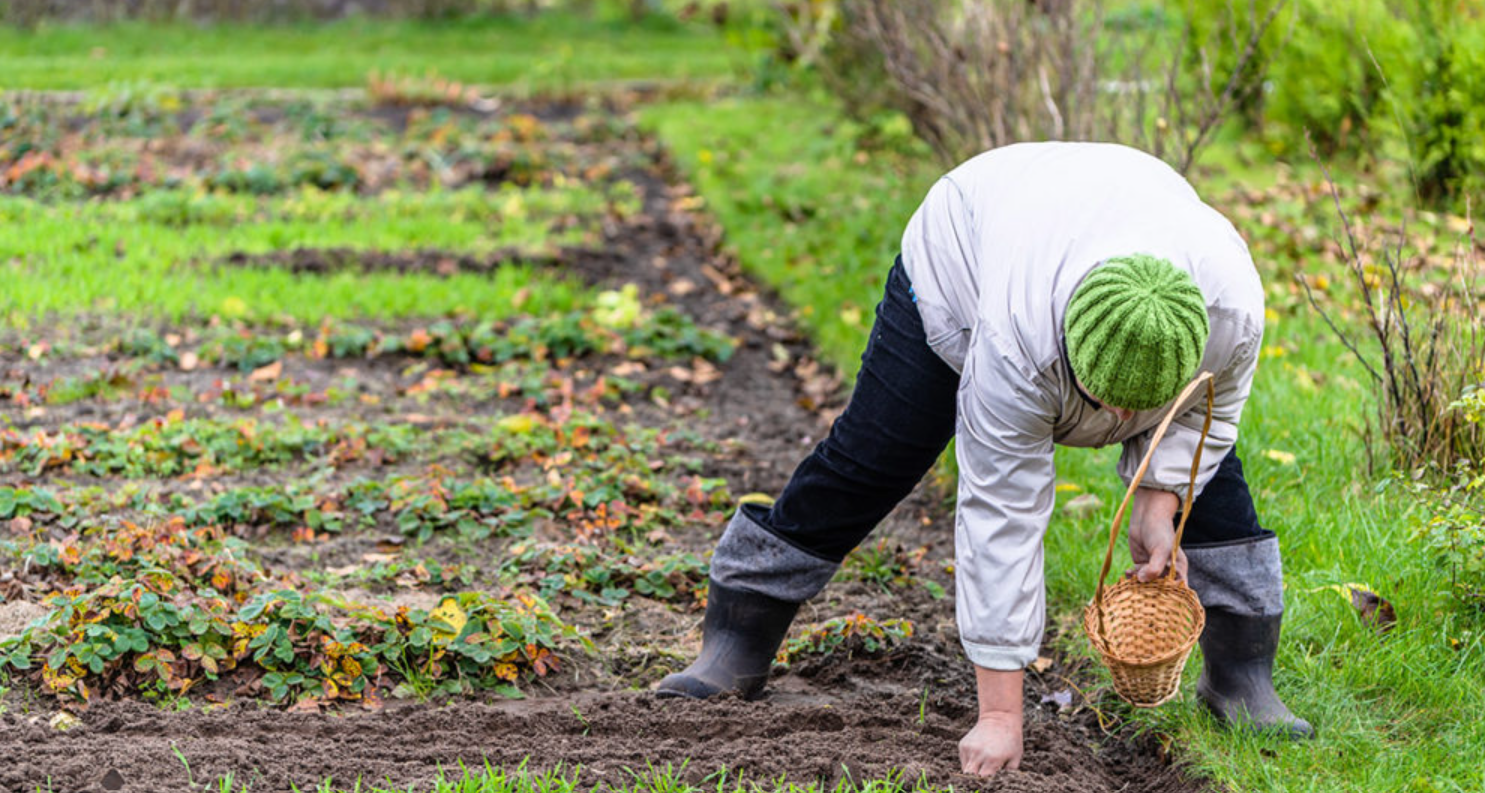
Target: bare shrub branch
973 75
1429 348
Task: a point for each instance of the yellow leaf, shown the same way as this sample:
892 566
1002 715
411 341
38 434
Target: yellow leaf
521 424
448 620
1069 487
851 315
756 498
234 307
1280 457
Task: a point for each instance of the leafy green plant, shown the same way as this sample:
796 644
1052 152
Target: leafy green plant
608 574
889 566
852 635
1452 525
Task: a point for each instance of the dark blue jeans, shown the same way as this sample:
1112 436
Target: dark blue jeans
899 420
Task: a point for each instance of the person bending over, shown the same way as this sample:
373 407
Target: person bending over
1046 293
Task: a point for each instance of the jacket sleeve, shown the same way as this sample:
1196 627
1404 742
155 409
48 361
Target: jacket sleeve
1170 467
1006 493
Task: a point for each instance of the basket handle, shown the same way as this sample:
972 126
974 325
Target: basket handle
1139 475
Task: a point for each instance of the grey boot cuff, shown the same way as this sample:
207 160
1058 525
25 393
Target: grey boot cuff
752 558
1244 577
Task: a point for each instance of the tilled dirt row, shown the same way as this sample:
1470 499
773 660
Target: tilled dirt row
864 726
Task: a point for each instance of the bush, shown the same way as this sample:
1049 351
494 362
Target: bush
1422 344
973 75
1384 79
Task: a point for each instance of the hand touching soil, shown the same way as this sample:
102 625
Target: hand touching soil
995 741
993 744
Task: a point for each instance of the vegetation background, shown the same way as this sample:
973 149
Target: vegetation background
762 106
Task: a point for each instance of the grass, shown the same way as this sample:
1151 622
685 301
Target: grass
553 52
651 779
805 208
798 197
158 255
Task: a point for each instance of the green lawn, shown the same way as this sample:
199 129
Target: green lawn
550 52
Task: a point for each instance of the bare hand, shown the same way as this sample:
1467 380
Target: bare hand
994 744
1152 532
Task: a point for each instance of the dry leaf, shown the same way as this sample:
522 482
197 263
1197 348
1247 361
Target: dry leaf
389 545
1082 506
267 373
1063 699
189 361
1280 457
756 498
1374 609
378 558
1041 664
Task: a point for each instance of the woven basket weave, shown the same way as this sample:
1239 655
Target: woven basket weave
1145 631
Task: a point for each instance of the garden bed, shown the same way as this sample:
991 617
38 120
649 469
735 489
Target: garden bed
288 540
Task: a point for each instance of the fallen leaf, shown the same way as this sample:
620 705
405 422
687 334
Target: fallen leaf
1082 506
189 361
1041 664
1374 609
63 721
756 498
378 558
389 545
1063 699
1280 457
267 373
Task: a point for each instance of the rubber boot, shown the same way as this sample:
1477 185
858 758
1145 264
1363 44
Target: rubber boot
1237 682
740 635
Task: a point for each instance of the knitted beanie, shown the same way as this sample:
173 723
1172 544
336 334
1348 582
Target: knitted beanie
1136 330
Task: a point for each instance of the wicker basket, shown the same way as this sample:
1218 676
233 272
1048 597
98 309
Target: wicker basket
1145 631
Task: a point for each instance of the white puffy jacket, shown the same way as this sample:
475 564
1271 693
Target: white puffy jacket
994 253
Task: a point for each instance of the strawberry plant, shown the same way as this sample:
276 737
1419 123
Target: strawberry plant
601 575
475 640
855 634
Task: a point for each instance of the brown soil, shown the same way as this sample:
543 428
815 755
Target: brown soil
808 733
854 716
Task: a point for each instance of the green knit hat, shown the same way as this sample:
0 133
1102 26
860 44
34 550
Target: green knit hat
1136 330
